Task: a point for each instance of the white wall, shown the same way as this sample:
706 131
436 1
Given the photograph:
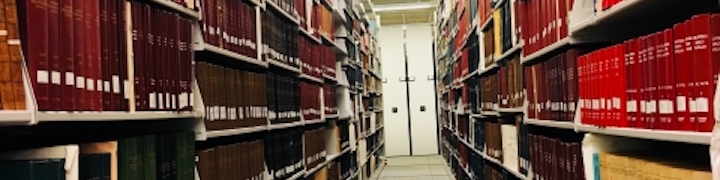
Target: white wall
422 92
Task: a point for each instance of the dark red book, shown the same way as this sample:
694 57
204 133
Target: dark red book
35 37
105 25
79 49
67 55
55 89
96 54
682 75
703 72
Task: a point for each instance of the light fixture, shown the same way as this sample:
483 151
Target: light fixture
404 6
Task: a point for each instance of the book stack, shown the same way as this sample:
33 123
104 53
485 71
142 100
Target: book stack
314 147
284 152
344 128
230 25
283 98
489 48
243 160
329 98
45 163
546 22
12 91
463 126
328 58
642 166
477 165
489 92
232 110
310 101
323 22
160 66
280 39
348 164
680 99
310 58
555 81
493 140
511 84
502 27
554 158
493 172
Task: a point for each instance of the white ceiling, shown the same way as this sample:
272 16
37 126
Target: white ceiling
412 16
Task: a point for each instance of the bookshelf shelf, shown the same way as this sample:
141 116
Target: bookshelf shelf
286 14
284 66
486 24
661 135
113 116
488 69
310 172
297 175
491 159
309 35
184 11
332 116
515 110
12 117
532 57
330 78
551 123
331 158
233 132
285 125
201 46
314 121
510 52
489 113
310 78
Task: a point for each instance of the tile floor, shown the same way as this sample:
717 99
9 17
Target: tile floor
416 168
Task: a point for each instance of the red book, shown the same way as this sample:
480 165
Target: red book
106 36
67 55
35 36
55 92
619 103
80 57
652 79
124 81
715 46
97 95
563 21
703 76
629 86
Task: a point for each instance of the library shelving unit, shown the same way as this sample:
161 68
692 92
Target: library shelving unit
186 89
576 89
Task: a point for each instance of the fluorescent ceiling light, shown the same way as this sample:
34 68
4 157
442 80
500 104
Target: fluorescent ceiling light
404 6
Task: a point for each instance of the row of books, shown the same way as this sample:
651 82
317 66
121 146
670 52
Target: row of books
344 130
511 84
230 25
605 4
243 160
503 29
348 164
280 39
329 98
247 107
12 91
354 76
489 47
311 59
314 147
162 59
322 22
553 87
544 22
328 60
310 101
190 4
284 152
283 96
642 166
289 6
555 158
164 157
678 99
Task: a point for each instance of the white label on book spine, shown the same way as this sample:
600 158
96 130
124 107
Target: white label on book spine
631 106
643 109
3 32
99 84
681 103
666 106
616 102
161 102
43 77
168 100
693 105
13 42
652 106
702 104
152 100
70 78
55 78
116 84
174 100
90 84
106 86
223 112
128 92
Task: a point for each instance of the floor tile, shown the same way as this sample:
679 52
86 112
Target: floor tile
416 168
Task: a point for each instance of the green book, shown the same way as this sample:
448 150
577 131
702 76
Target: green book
17 169
149 158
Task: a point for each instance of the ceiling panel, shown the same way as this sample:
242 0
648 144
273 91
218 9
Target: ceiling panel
406 17
385 2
